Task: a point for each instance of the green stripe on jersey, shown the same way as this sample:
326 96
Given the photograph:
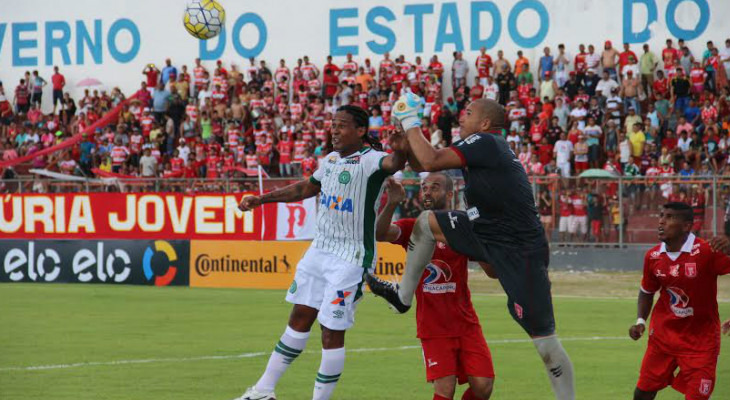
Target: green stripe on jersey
375 183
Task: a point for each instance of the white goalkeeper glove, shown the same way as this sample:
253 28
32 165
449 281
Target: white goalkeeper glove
408 111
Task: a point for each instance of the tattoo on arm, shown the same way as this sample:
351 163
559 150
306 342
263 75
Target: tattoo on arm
294 192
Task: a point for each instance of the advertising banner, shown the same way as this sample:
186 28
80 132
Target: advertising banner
267 265
296 221
139 262
132 216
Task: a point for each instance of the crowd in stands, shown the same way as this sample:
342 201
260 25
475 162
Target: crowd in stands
633 112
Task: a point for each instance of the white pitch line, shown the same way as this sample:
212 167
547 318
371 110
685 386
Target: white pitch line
260 354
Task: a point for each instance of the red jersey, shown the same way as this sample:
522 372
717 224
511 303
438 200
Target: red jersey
308 166
566 207
661 86
300 146
685 318
135 144
177 164
285 150
350 66
669 56
119 154
443 300
697 76
152 77
146 123
579 206
580 63
483 64
264 151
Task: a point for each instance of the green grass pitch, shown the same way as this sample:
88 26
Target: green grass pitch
126 342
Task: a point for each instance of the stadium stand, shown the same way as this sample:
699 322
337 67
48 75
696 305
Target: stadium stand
658 121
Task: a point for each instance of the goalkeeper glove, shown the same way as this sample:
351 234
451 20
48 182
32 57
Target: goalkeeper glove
408 111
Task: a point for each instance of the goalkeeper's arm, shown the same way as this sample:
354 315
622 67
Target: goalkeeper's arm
406 111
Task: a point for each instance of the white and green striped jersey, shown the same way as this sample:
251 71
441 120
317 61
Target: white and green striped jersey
349 198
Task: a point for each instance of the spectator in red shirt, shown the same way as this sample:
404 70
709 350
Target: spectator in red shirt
58 82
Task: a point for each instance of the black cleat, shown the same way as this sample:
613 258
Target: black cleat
388 291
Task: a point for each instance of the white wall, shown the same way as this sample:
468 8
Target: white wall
295 28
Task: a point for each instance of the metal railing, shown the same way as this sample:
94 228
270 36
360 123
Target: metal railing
619 211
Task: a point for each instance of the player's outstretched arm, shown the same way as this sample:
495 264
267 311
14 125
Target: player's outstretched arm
295 192
726 327
394 162
384 230
644 303
406 110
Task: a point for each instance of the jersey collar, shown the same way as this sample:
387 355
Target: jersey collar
360 152
686 247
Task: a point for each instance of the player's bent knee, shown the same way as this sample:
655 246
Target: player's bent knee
445 387
332 339
481 387
302 318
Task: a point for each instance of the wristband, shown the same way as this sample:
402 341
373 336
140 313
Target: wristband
640 321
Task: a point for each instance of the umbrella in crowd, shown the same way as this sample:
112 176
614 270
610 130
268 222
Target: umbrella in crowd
89 82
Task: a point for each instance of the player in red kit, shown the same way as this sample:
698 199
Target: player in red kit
454 349
685 326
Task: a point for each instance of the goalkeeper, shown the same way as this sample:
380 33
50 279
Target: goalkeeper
501 226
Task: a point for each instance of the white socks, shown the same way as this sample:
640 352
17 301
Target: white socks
420 251
286 351
558 365
330 369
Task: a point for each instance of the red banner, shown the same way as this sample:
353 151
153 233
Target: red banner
133 216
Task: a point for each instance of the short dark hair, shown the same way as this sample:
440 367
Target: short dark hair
682 209
448 182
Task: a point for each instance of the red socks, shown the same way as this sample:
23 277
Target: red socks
469 395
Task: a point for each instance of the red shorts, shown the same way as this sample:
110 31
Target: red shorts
696 377
596 227
581 166
463 356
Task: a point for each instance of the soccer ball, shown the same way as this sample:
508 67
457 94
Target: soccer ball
204 19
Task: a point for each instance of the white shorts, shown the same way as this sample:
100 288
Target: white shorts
564 224
329 284
565 169
579 223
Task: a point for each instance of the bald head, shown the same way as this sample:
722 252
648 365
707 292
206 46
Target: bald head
482 115
491 110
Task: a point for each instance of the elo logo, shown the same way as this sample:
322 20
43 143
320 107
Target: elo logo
163 247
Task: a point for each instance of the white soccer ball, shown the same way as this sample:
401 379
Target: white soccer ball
204 19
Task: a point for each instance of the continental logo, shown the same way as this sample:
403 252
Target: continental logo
206 265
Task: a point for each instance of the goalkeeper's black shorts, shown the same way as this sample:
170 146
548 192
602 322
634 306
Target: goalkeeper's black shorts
522 273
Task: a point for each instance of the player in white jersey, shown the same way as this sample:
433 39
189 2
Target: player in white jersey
328 281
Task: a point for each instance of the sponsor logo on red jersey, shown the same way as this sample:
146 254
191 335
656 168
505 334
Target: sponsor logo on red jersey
678 302
705 386
438 279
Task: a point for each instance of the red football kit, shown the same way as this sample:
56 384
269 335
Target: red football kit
685 326
446 323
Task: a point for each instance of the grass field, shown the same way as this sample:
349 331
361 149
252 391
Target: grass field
125 342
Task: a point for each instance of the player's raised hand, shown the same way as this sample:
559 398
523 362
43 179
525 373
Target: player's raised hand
398 141
720 244
726 327
637 331
407 111
396 192
249 203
